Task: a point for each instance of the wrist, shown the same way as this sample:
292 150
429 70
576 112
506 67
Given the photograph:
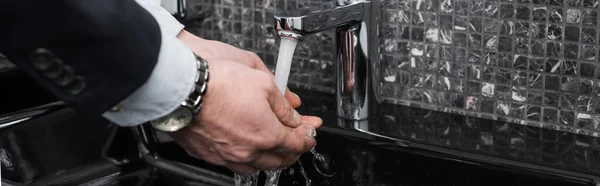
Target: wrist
187 112
200 46
190 40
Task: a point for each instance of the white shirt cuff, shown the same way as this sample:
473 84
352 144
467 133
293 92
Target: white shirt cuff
171 81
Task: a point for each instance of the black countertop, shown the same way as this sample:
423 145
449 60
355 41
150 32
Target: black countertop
411 146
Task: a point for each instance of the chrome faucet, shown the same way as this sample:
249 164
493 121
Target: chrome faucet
357 51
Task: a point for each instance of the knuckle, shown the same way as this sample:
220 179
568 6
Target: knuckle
269 142
270 87
243 156
254 55
286 112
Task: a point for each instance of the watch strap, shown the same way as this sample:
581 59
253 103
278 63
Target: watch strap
191 105
194 100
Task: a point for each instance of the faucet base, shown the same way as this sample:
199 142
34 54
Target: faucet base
354 86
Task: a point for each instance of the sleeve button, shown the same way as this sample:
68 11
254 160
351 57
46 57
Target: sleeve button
76 87
67 77
116 108
41 59
55 70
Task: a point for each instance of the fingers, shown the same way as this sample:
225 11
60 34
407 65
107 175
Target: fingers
301 139
312 120
287 115
295 141
294 99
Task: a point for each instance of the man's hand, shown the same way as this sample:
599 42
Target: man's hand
215 50
242 123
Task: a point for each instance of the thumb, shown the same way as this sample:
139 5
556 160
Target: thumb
286 114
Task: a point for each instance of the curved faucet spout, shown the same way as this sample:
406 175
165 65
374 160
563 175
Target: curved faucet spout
306 21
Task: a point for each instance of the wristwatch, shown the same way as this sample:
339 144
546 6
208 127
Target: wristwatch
185 113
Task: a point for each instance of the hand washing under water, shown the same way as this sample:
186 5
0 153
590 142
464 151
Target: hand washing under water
282 73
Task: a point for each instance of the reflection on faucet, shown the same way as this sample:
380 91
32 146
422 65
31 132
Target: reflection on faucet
357 52
348 54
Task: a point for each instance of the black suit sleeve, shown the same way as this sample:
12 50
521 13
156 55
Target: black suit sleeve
89 53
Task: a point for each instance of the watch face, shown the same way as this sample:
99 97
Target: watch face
178 119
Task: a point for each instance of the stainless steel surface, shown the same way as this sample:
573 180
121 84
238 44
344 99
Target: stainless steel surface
306 21
8 120
356 44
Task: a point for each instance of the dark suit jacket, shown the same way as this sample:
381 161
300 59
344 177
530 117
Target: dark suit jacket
89 53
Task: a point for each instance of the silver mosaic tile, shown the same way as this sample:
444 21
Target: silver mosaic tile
525 61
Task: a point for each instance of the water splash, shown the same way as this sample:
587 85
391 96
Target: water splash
250 180
320 157
272 177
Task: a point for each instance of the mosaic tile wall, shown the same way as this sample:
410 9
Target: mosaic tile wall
524 61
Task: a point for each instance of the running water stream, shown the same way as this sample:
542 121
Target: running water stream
282 72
